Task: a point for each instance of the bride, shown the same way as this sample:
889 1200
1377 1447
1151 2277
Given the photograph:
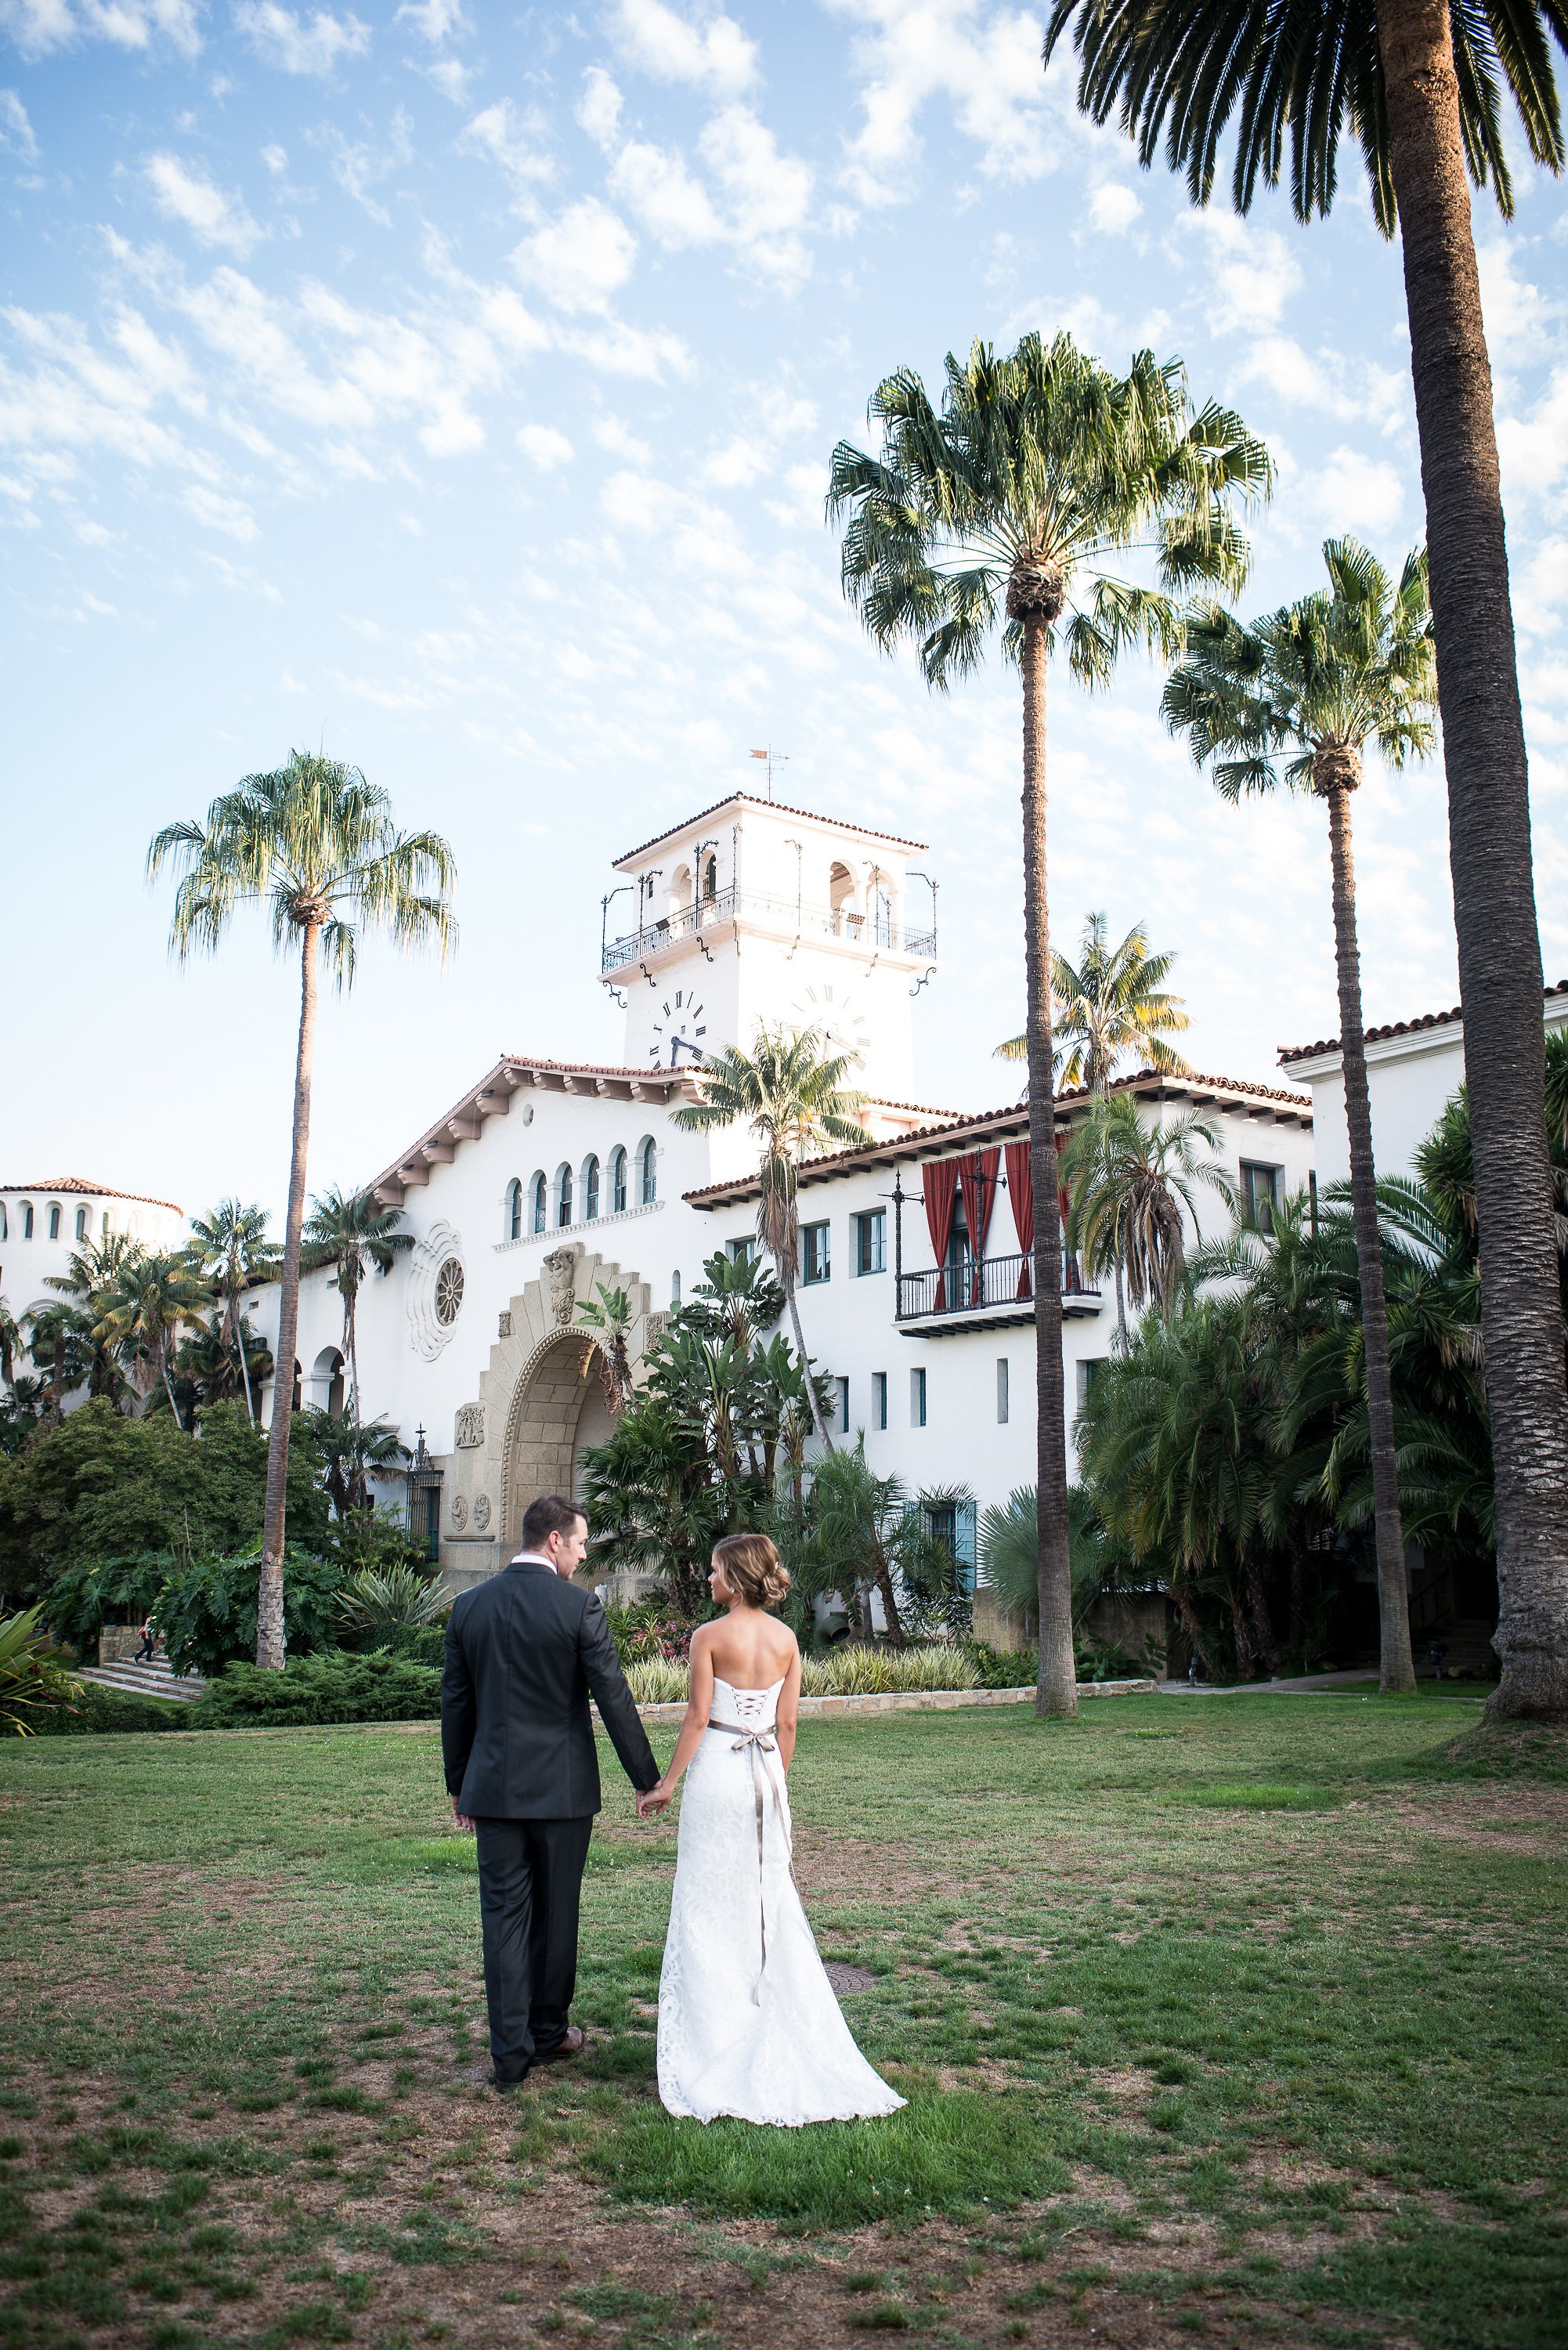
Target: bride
748 2024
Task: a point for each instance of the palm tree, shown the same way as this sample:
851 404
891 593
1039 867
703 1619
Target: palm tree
153 1296
1320 679
353 1231
1127 1184
1114 1001
316 844
11 1343
796 1101
1420 85
611 1315
1039 470
90 1274
61 1335
233 1249
353 1451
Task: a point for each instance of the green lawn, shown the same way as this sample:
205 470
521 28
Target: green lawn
1218 2018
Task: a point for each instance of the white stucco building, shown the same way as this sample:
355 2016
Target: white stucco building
42 1225
546 1179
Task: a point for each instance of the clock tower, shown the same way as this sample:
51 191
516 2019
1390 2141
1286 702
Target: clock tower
750 912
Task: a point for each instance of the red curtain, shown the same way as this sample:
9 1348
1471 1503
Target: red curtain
977 1180
940 1182
1020 1191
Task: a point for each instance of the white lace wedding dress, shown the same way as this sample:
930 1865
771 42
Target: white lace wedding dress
748 2022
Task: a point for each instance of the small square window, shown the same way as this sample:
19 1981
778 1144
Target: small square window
1259 1193
871 1240
878 1399
843 1407
1001 1390
816 1258
918 1398
1088 1369
742 1251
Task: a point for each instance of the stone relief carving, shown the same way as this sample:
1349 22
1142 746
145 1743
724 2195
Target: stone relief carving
428 1333
654 1327
482 1511
469 1428
504 1323
459 1511
560 1270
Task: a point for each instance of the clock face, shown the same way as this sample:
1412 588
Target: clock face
839 1017
680 1032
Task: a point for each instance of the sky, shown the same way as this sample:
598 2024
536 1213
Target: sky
454 390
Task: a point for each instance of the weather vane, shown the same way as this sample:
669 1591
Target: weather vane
772 757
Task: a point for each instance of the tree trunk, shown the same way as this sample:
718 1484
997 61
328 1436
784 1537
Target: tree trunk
1056 1689
271 1638
786 1278
239 1322
1490 857
1121 1307
169 1390
1188 1616
1397 1674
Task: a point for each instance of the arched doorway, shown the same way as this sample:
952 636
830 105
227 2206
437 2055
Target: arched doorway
558 1408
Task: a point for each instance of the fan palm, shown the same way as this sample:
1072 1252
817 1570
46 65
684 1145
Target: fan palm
354 1232
11 1343
149 1300
794 1100
352 1452
1421 85
1319 680
61 1337
316 844
611 1315
90 1273
231 1247
1127 1185
1007 506
1112 1002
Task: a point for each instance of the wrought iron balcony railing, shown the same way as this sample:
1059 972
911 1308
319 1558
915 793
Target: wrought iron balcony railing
779 915
975 1283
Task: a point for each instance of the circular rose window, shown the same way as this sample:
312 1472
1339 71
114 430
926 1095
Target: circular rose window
449 1292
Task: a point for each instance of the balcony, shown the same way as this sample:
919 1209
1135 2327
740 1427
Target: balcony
994 1293
784 916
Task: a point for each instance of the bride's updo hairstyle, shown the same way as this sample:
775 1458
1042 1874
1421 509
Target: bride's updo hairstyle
751 1566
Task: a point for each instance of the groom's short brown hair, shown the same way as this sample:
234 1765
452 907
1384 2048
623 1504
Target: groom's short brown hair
551 1513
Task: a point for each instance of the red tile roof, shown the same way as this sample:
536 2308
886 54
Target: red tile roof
1289 1053
751 800
80 1186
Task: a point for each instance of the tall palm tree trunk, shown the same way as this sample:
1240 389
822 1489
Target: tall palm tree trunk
237 1325
271 1640
169 1384
819 1426
1056 1690
1489 849
1397 1674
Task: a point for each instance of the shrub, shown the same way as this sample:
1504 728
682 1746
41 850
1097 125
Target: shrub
1002 1667
386 1607
846 1672
33 1680
334 1687
95 1713
91 1593
658 1680
207 1610
649 1628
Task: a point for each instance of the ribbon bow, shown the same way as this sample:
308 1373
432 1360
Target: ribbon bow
759 1742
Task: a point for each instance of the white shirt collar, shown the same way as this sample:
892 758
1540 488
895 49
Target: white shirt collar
534 1558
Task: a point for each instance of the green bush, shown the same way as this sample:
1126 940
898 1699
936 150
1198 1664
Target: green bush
91 1593
333 1687
206 1610
100 1711
34 1681
848 1670
999 1668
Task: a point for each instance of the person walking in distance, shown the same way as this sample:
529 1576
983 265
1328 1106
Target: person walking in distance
524 1652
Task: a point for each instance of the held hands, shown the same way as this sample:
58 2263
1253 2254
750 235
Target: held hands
651 1801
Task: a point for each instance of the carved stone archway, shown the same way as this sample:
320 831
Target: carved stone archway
519 1436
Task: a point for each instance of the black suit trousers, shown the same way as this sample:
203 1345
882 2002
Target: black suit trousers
530 1885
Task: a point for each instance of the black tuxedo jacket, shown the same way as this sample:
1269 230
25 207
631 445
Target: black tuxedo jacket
522 1652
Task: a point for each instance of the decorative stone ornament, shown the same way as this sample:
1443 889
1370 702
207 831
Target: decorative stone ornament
459 1511
504 1323
469 1428
434 1296
481 1512
560 1269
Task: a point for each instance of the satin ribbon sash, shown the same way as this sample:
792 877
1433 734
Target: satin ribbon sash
758 1743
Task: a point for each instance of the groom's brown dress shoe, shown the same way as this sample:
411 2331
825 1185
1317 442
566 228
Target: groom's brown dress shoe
571 2045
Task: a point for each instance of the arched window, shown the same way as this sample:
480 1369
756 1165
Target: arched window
54 1221
540 1190
4 1235
710 878
841 896
618 1181
512 1225
563 1195
81 1223
26 1219
680 891
590 1188
647 1171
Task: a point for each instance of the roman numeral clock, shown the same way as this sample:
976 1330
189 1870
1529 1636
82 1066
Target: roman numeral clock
839 1017
679 1029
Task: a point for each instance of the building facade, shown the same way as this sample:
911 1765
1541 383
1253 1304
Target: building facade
42 1226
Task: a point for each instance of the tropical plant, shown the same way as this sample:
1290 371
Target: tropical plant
91 1593
149 1299
854 1669
90 1274
32 1679
653 1502
611 1315
1320 679
1112 1002
1006 507
866 1533
316 843
352 1231
232 1249
796 1100
1421 85
352 1452
1128 1185
59 1340
12 1344
331 1687
382 1606
1008 1544
212 1367
206 1608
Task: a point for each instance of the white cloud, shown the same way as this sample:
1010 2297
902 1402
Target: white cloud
15 130
580 258
357 166
715 54
616 349
1534 448
1520 320
769 192
1351 492
987 65
513 140
277 160
1249 273
1354 388
434 21
451 77
39 27
183 192
1113 208
544 447
612 434
654 183
280 37
598 108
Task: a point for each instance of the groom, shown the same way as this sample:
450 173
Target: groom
523 1651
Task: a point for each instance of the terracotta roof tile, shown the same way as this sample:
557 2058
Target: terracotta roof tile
1289 1053
751 800
80 1186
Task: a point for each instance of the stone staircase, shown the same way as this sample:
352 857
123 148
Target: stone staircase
156 1680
